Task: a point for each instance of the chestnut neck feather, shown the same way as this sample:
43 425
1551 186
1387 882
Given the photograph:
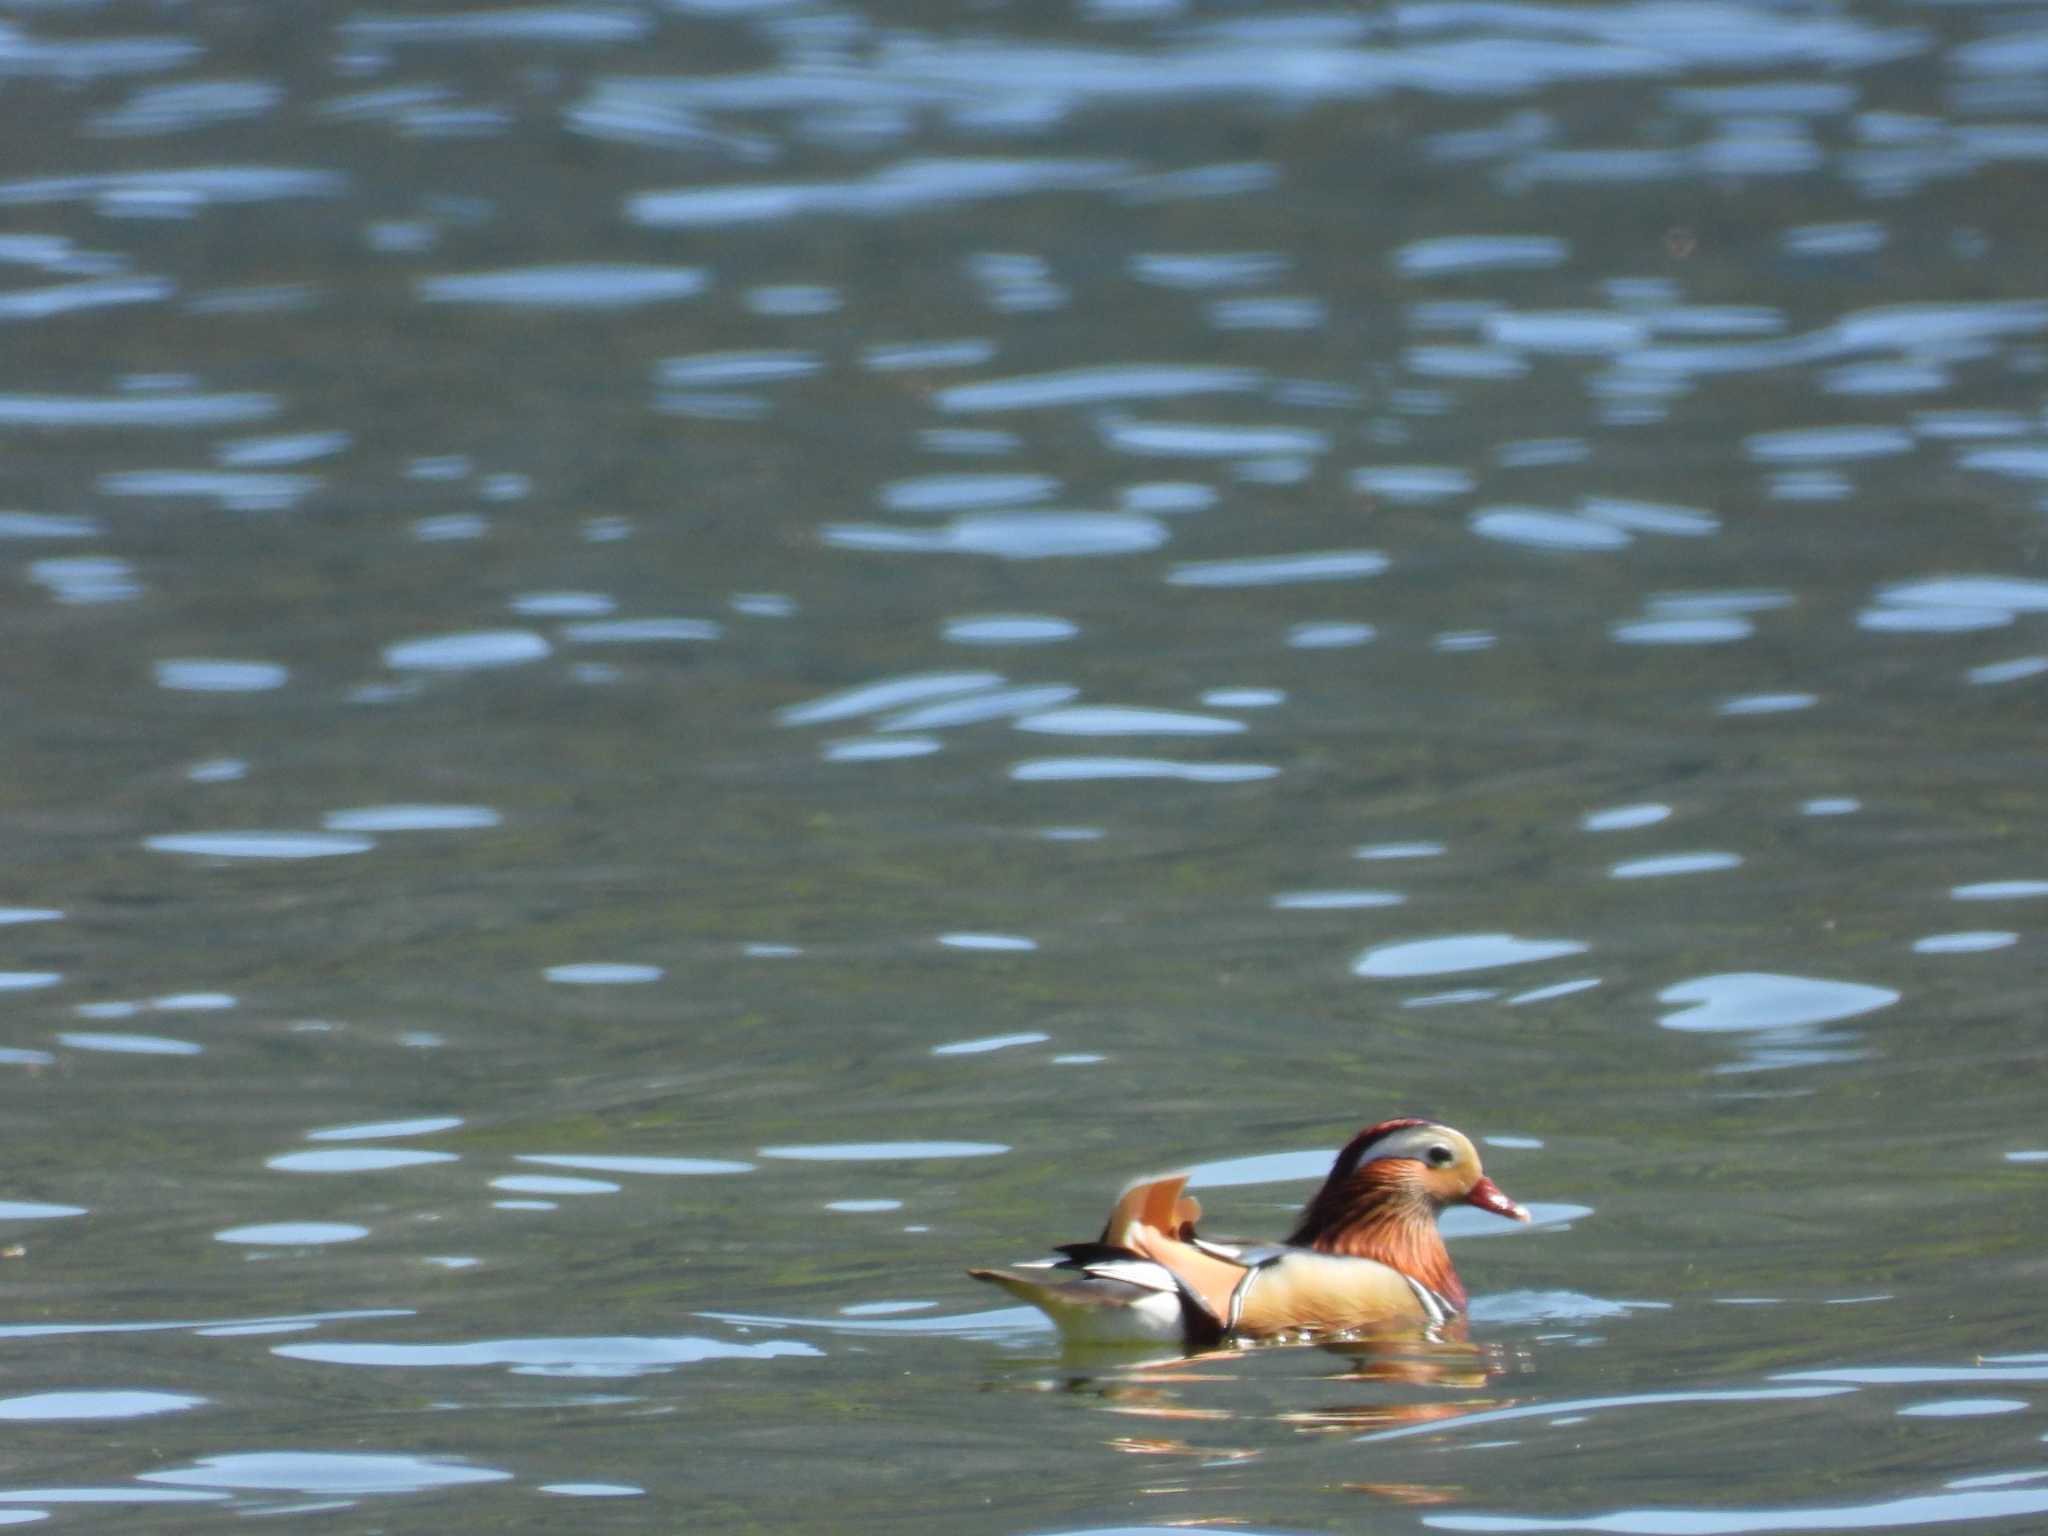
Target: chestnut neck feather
1380 1211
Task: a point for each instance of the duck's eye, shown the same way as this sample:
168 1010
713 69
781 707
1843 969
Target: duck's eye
1440 1156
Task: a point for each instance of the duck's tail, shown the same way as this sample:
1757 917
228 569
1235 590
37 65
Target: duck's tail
1122 1287
1094 1308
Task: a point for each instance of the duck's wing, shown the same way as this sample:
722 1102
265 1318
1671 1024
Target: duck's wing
1155 1203
1298 1290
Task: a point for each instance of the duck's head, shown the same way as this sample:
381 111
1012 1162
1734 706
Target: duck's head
1387 1187
1426 1160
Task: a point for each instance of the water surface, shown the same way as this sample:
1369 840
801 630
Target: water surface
672 670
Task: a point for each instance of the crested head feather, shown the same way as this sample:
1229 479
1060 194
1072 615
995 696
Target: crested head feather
1354 1149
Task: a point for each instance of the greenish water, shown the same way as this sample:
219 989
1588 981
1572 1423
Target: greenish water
672 672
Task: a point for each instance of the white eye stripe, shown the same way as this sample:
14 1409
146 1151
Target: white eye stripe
1419 1143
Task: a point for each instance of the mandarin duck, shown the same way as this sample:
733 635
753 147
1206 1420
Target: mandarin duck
1365 1255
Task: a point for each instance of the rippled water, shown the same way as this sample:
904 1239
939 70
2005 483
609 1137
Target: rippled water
672 670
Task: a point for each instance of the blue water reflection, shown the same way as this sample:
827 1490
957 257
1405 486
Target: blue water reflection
1460 952
989 1043
47 1407
603 973
1046 770
1274 570
333 1472
471 651
1009 629
1008 536
887 694
170 410
1673 864
1126 720
906 187
587 286
293 1234
1939 1509
1021 705
873 749
1781 1014
356 1160
386 1130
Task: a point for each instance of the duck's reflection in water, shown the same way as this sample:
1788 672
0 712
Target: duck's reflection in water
1383 1382
1359 1385
1443 1373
